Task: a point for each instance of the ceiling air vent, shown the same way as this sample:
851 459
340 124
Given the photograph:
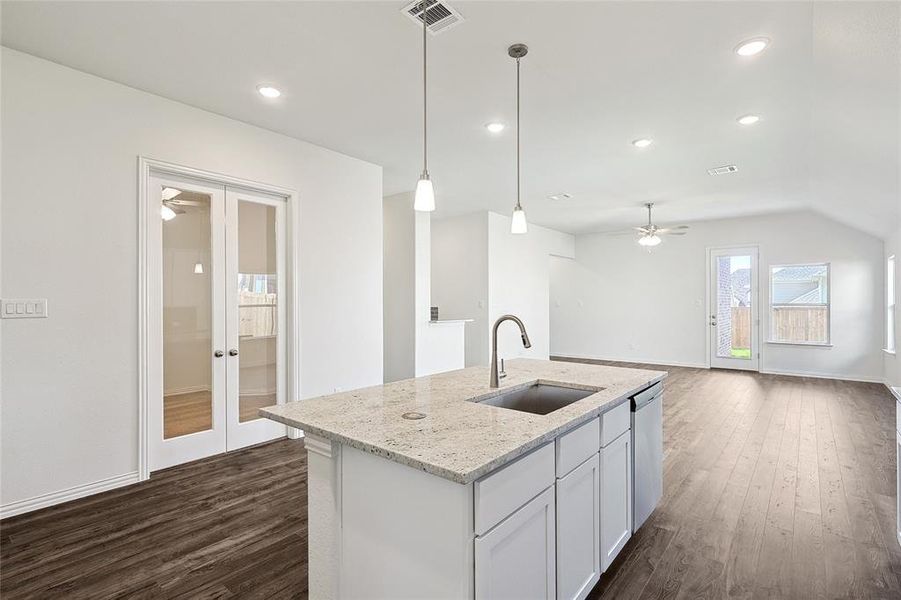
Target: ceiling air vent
725 170
441 16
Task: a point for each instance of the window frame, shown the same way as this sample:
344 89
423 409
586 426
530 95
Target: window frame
891 296
771 306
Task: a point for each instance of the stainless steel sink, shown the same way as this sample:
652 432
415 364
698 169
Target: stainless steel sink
538 398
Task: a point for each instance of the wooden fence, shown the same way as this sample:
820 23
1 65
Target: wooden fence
789 324
799 323
741 327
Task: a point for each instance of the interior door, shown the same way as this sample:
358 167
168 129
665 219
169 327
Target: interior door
187 375
255 315
733 319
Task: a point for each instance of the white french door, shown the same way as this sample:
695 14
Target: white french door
733 319
216 260
254 313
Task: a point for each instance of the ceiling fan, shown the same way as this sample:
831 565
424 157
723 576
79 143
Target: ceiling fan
173 206
649 235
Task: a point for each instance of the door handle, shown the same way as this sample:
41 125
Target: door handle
233 352
218 353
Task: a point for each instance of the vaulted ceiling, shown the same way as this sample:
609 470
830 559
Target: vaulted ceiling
598 75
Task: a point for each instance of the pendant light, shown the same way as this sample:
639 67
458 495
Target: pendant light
424 199
518 224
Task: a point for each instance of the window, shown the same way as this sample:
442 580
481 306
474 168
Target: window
799 304
257 305
890 304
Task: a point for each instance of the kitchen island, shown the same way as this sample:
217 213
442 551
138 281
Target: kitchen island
424 488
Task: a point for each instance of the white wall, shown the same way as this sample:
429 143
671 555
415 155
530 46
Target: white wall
413 346
69 204
481 271
460 277
892 362
519 283
616 301
399 247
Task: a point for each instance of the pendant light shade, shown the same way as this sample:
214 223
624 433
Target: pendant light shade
518 223
424 199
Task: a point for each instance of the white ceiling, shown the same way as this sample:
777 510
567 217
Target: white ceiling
598 75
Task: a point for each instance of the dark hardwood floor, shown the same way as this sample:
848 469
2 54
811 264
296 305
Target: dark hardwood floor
231 526
775 487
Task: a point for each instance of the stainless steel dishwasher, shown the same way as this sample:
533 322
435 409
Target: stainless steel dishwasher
647 452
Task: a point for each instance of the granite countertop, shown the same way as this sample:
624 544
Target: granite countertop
459 439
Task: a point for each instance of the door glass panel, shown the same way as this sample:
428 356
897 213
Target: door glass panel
733 307
257 309
187 313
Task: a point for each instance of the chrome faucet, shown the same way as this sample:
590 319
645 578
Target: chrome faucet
525 342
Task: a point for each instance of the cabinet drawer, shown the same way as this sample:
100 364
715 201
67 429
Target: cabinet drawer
499 494
614 422
576 446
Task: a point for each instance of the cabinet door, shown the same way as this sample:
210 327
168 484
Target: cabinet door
516 560
579 531
616 497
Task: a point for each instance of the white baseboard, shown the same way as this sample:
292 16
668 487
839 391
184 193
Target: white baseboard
186 390
818 375
896 392
671 363
80 491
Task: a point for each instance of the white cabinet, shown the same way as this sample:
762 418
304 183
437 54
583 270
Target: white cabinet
578 530
517 559
616 497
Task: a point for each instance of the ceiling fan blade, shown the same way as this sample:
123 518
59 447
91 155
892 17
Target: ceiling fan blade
672 232
621 232
176 202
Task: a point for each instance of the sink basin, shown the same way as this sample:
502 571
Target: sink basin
538 398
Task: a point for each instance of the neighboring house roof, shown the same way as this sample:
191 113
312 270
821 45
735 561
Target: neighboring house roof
801 284
799 273
811 297
741 286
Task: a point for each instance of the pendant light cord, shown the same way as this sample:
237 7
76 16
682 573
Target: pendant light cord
518 206
425 104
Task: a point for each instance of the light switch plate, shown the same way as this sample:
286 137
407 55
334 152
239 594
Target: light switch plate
23 308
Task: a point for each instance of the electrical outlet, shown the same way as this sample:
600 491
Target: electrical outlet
22 308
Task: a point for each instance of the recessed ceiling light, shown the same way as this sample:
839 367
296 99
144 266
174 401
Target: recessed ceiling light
495 127
642 142
748 119
560 196
267 91
752 46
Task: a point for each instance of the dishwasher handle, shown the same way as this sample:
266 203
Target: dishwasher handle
645 396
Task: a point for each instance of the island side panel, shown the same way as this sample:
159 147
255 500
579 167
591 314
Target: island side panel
404 533
323 516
